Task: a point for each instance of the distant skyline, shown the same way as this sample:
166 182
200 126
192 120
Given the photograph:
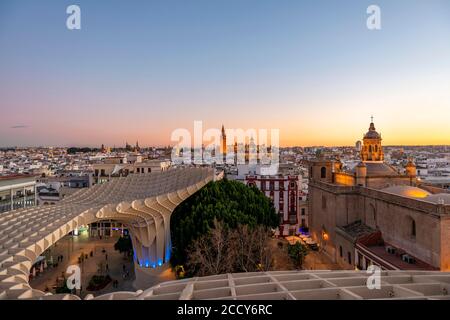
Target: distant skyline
137 70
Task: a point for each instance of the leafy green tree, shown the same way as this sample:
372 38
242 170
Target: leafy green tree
230 202
74 150
63 288
297 253
124 245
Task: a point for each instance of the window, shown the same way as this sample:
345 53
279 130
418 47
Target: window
324 202
413 228
323 173
303 211
372 217
340 251
349 256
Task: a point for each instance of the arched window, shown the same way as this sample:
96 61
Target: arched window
324 202
372 217
376 148
323 173
413 228
370 148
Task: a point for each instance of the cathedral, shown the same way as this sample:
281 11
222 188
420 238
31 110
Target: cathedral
244 151
377 214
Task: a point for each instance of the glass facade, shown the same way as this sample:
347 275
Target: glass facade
17 198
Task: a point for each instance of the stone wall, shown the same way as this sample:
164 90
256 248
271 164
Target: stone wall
392 214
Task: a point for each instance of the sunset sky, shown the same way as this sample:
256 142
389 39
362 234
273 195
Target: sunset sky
137 70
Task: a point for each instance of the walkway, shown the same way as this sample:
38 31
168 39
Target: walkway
71 247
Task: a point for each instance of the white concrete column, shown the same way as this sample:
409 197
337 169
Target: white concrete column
24 197
12 200
35 195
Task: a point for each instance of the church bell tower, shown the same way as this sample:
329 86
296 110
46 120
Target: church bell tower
372 149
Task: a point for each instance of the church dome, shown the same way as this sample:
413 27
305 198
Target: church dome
408 191
372 133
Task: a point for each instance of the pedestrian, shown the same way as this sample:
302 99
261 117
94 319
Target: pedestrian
123 268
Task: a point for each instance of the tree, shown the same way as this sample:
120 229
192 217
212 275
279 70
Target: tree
253 252
210 254
231 202
74 150
63 288
297 253
224 250
124 245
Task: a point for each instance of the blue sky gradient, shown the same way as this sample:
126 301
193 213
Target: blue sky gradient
140 69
